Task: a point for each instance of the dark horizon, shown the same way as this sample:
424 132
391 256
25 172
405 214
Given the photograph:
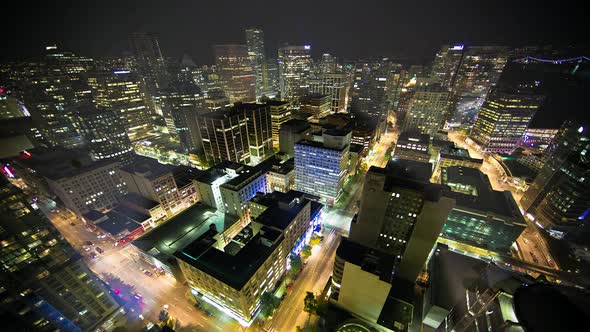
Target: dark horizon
412 30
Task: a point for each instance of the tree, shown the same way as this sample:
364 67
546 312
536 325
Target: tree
296 265
268 304
315 240
306 251
309 303
321 308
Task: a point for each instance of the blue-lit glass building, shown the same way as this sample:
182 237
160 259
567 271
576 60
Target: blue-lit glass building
321 167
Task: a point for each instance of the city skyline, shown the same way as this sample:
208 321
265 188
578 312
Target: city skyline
396 167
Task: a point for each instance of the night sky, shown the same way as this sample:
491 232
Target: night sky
412 29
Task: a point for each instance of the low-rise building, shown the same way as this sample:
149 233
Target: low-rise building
229 186
412 146
281 177
151 179
482 217
233 273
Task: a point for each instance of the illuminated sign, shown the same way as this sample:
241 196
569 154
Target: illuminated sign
307 47
51 47
458 47
8 172
117 72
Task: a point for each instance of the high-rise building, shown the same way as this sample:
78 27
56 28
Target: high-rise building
237 72
272 82
558 197
295 67
335 85
255 43
225 136
321 167
316 104
327 65
44 283
280 112
369 89
427 110
478 73
259 120
49 98
503 121
446 64
11 108
104 134
150 62
122 92
402 216
180 104
292 132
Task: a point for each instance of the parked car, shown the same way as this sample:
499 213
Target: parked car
92 255
148 273
208 313
99 250
73 223
86 248
89 243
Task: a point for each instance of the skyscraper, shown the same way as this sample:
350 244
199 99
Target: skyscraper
295 67
255 43
150 62
104 134
478 73
369 89
321 168
335 85
237 71
49 97
558 197
43 281
280 113
400 215
225 136
122 92
503 121
180 104
428 109
446 64
259 122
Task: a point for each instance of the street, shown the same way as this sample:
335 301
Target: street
313 278
531 245
123 262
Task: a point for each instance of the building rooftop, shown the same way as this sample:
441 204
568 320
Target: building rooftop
461 158
519 170
183 229
140 201
414 137
274 102
414 169
485 199
398 176
184 175
131 214
282 167
93 216
235 266
281 214
319 145
370 260
148 168
295 125
117 223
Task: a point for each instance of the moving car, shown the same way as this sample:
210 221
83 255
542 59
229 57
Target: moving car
92 255
89 243
148 273
99 250
73 223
